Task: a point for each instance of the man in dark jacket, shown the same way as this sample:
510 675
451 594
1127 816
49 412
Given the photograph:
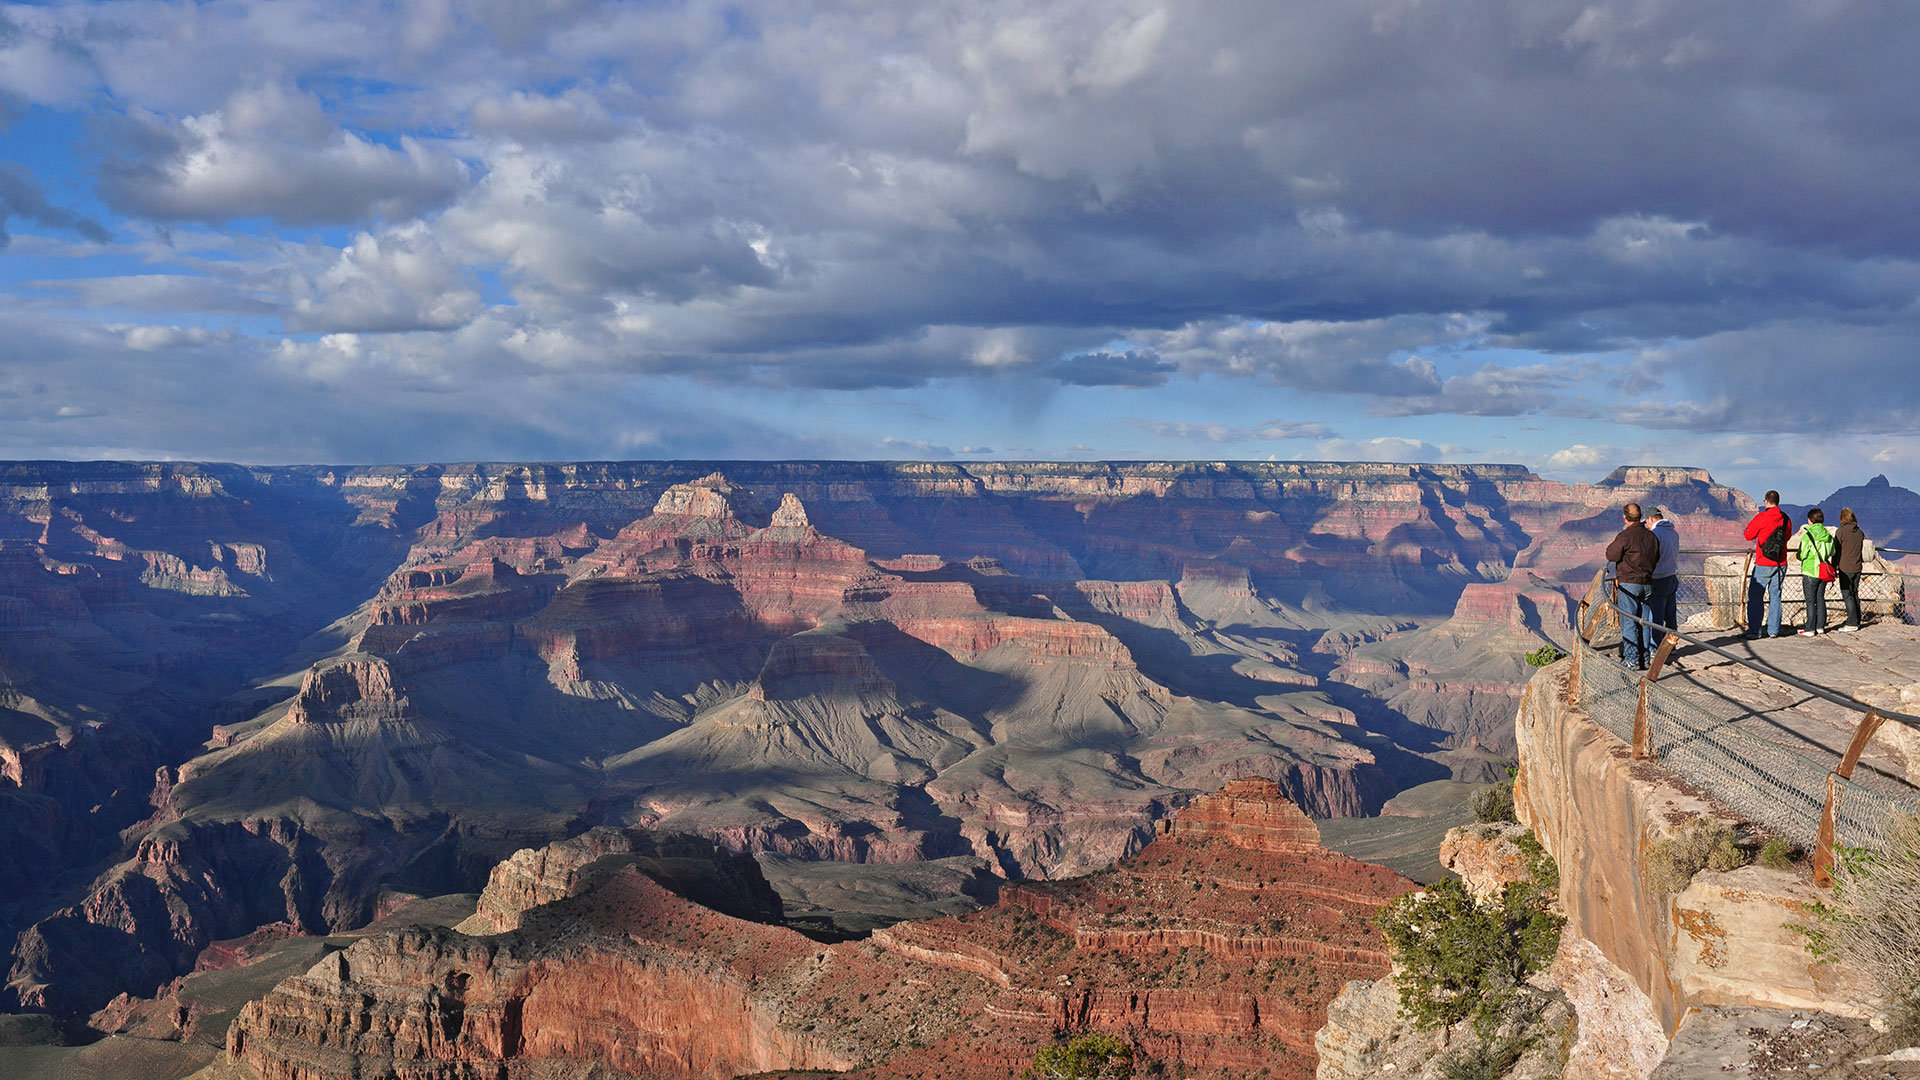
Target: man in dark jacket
1635 552
1768 530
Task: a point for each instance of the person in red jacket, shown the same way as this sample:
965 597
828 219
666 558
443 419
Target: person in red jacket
1768 530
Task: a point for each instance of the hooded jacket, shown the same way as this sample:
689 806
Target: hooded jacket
1850 548
1669 538
1814 545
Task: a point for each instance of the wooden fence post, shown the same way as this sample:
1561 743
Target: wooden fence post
1823 847
1640 722
1573 676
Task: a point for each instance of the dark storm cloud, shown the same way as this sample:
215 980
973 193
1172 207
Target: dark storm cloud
1803 377
1333 199
1110 369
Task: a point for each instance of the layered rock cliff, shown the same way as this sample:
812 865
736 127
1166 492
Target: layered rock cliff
1026 664
1216 949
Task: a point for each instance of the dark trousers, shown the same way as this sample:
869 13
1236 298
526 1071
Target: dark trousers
1666 605
1635 600
1815 591
1850 594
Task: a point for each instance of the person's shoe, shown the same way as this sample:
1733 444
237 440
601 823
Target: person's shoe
1848 630
1809 633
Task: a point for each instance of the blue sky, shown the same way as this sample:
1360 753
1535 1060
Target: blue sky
1570 235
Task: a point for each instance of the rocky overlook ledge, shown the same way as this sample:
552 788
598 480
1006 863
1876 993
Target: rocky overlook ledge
1716 940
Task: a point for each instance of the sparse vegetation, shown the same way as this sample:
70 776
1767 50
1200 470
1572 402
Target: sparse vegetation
1544 655
1546 872
1488 1059
1703 844
1495 804
1778 854
1092 1056
1870 923
1461 959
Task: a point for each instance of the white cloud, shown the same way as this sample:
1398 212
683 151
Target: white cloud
1265 431
1386 448
398 279
149 338
1581 456
273 152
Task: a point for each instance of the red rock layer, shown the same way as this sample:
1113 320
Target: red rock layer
1215 950
1248 813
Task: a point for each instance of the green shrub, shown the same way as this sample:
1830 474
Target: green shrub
1459 958
1495 804
1546 872
1778 854
1703 844
1869 923
1544 655
1092 1056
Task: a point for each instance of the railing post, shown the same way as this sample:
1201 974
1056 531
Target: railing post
1869 724
1823 848
1640 750
1642 737
1660 656
1573 677
1746 592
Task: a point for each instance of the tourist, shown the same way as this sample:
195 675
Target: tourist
1634 553
1768 531
1851 550
1813 544
1666 573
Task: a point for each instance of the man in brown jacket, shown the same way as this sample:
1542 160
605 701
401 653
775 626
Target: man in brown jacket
1634 552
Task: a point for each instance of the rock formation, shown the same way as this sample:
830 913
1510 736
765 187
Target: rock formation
301 688
1217 948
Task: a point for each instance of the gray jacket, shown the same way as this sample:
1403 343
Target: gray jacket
1669 537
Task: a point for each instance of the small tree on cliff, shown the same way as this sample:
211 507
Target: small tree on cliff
1459 958
1093 1056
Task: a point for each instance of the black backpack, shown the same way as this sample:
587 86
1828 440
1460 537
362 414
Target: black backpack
1774 547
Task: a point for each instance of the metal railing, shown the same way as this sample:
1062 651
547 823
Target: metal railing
1881 589
1785 782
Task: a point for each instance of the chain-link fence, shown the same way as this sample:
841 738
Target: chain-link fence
1761 769
1713 587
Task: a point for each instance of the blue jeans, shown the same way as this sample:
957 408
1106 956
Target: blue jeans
1766 584
1635 600
1666 605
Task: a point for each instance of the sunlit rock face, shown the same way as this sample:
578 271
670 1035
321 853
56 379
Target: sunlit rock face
297 689
1217 947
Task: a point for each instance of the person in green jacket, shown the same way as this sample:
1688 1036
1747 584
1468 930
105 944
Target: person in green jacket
1815 546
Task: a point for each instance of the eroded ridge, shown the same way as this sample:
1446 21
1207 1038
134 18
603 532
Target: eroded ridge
1217 948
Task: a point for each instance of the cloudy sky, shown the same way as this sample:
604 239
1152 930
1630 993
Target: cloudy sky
1571 235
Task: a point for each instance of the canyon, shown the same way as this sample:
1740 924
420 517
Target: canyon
234 698
607 966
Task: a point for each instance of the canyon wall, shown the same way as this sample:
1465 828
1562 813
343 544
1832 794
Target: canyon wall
295 689
1215 949
1725 939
